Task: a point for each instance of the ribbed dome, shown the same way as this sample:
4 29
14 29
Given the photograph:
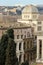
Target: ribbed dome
30 9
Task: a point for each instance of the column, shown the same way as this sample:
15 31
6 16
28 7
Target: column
22 46
17 48
42 49
37 49
18 57
22 58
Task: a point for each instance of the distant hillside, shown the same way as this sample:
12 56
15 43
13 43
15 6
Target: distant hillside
40 8
18 9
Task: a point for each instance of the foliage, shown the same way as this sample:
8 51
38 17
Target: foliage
10 33
11 58
8 49
25 63
3 46
22 63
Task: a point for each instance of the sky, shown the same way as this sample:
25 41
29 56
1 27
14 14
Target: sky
20 2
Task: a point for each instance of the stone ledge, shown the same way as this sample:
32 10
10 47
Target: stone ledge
39 63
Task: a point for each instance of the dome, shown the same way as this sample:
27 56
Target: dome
30 12
30 9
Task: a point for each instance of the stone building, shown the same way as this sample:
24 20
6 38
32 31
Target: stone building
29 50
21 32
39 58
30 14
24 33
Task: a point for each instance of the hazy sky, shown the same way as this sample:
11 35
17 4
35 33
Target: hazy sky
22 2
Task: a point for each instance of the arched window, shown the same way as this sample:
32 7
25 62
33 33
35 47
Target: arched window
35 37
31 44
19 46
24 57
27 45
20 58
40 48
24 46
31 56
28 56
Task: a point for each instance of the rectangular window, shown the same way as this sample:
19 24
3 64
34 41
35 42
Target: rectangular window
17 36
24 36
21 36
34 16
39 28
28 34
39 22
21 30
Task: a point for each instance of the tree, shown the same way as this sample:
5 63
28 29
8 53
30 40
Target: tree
22 63
8 49
25 63
3 46
11 58
10 33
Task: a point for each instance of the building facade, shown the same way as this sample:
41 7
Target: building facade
30 14
24 31
21 32
29 50
39 58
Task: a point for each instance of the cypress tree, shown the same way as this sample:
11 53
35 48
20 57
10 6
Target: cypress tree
3 47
